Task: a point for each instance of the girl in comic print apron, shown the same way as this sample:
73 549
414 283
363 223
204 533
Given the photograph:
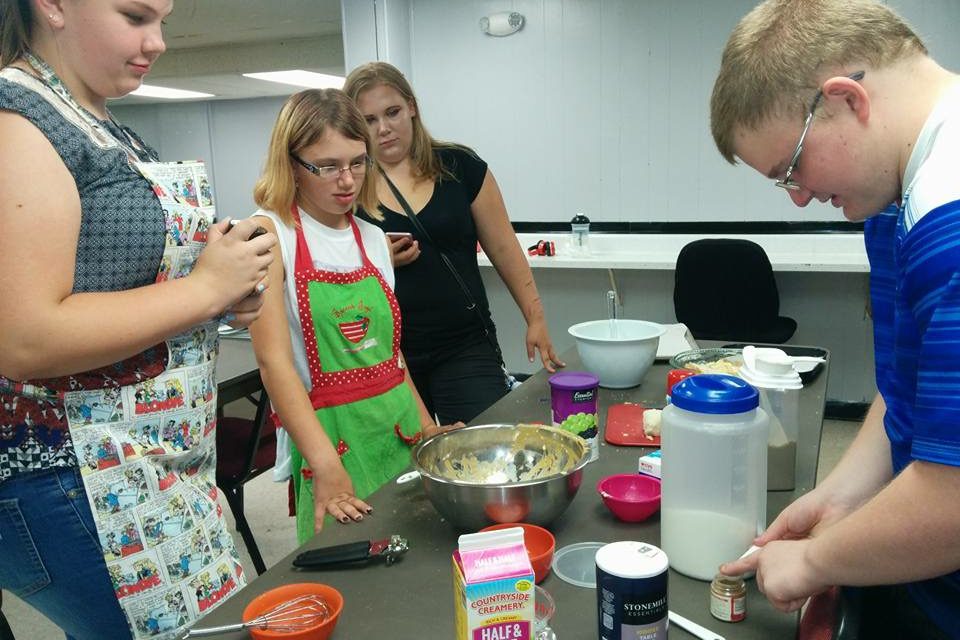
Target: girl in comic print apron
351 332
147 449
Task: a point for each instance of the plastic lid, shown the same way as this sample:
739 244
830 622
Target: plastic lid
714 393
580 219
577 564
769 368
630 559
573 380
765 381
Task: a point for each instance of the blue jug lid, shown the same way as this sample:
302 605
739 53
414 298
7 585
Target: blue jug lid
714 393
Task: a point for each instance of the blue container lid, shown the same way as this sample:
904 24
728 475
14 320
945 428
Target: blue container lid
573 380
714 393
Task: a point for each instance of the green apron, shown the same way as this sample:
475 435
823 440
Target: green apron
351 333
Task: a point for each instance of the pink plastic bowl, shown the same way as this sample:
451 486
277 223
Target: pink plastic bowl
632 497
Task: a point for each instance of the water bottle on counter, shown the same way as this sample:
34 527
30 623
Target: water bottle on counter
580 235
714 473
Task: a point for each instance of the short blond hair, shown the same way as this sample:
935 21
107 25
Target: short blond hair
302 121
771 62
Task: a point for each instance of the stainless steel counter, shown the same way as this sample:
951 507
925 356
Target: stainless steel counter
413 599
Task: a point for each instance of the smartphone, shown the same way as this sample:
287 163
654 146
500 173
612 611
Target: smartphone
396 235
259 231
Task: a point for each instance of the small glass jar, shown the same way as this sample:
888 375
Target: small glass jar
728 598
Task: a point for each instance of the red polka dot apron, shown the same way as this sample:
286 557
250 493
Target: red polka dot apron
351 332
145 437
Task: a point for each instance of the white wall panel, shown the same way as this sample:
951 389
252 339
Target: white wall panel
596 105
599 105
241 132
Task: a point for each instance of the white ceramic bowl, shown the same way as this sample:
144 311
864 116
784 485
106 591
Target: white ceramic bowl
619 354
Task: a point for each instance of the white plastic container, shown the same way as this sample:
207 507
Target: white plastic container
772 373
714 473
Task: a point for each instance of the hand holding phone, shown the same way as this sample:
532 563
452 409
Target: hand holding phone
403 248
259 231
396 236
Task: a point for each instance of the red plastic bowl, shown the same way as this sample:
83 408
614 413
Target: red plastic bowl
274 597
539 542
632 497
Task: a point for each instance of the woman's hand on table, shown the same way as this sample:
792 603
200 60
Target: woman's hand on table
538 339
335 497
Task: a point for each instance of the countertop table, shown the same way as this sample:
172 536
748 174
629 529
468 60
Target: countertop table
414 597
823 252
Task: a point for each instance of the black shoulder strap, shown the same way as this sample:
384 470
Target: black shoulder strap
471 301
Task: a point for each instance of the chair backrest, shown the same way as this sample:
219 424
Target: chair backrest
245 448
724 289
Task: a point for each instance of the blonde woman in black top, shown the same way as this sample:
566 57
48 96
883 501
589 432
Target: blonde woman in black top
451 349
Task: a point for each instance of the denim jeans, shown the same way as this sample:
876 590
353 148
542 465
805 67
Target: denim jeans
50 556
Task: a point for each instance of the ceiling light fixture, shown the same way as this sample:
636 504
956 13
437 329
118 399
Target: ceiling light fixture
153 91
300 78
504 23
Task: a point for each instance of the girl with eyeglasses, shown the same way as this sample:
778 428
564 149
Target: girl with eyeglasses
328 340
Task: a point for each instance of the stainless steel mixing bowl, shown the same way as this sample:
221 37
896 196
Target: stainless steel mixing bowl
492 473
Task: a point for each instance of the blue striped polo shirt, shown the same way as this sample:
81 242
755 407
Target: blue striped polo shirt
915 294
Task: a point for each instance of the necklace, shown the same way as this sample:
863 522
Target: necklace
134 149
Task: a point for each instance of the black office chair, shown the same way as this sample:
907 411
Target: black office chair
724 289
245 449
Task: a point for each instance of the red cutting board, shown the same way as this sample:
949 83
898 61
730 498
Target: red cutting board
625 426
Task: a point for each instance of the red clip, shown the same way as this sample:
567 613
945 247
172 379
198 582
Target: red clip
306 473
409 441
342 448
542 248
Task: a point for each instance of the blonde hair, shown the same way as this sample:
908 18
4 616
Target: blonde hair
302 121
423 146
16 29
771 62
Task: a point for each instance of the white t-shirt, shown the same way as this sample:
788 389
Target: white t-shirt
930 179
331 250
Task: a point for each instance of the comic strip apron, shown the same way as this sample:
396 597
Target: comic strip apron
351 331
146 446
